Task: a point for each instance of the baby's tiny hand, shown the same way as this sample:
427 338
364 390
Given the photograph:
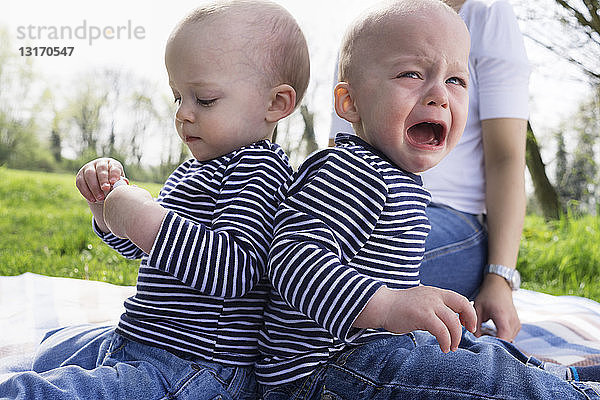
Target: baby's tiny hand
439 311
96 178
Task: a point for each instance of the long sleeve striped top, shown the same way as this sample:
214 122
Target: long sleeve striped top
351 222
202 289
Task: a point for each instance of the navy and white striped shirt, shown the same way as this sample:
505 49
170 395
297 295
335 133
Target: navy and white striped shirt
202 289
350 223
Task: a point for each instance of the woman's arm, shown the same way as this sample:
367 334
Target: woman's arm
504 151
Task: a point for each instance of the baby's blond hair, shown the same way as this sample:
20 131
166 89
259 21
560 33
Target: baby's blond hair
275 42
369 23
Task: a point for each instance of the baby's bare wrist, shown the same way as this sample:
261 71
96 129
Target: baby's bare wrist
375 313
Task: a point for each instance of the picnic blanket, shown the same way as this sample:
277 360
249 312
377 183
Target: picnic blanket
561 329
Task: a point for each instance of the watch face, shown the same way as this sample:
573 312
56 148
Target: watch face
515 280
512 276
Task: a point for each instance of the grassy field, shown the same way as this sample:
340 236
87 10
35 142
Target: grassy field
561 257
45 227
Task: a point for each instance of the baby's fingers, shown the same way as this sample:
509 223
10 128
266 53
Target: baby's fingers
83 188
450 320
115 171
461 306
439 329
102 174
87 181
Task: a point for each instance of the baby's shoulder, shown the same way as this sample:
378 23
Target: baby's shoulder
262 156
342 169
341 159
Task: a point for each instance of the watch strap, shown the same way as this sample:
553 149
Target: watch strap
511 275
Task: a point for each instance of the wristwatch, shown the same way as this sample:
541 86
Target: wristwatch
511 275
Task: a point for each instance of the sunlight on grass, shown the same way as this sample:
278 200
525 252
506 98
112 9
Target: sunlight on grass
561 257
46 229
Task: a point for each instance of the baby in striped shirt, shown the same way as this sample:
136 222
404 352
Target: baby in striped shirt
191 330
350 233
347 317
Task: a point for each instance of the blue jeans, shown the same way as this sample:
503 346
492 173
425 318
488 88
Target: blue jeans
87 362
413 367
455 251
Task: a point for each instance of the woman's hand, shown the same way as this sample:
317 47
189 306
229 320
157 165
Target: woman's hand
494 302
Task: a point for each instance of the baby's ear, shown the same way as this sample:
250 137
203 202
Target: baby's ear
282 103
345 106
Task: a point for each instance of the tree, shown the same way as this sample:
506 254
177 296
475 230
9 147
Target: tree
56 144
308 137
544 191
85 110
562 165
19 146
112 113
174 151
579 181
114 83
143 116
577 27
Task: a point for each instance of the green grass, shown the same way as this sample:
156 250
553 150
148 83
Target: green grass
45 227
561 257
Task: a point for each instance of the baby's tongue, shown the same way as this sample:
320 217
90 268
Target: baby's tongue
423 134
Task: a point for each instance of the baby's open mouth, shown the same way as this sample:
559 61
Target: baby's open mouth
427 134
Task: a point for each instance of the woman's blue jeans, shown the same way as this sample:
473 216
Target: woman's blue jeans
413 367
455 251
87 362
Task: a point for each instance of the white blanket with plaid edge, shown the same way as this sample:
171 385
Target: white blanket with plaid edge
561 329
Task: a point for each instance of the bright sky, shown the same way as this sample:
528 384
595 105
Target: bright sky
554 91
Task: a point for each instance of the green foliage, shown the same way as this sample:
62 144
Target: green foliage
561 257
46 229
577 179
20 146
109 113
